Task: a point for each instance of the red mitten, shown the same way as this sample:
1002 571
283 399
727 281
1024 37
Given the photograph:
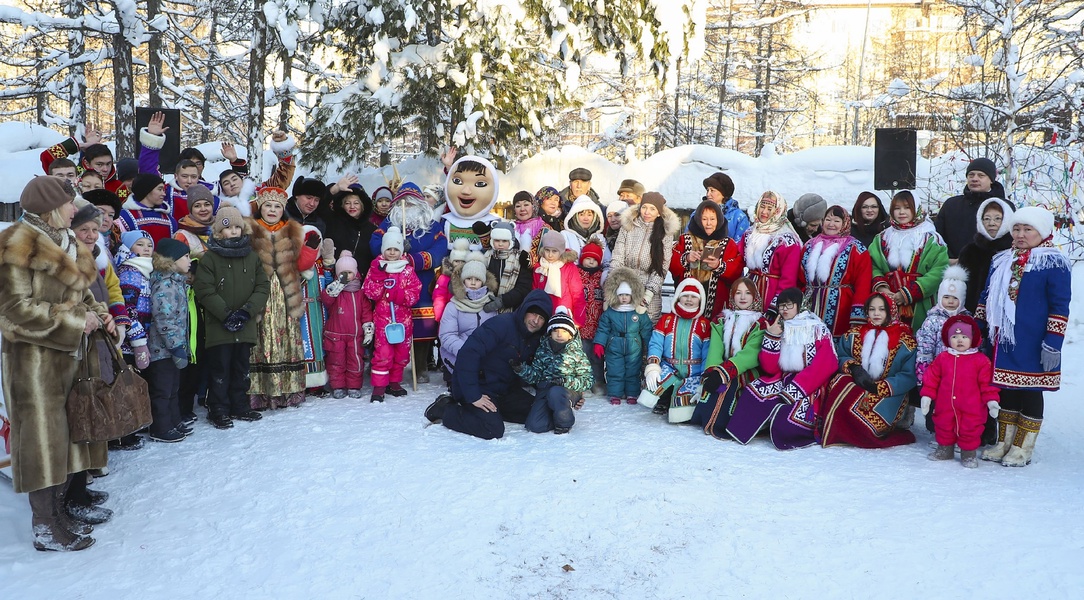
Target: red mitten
600 350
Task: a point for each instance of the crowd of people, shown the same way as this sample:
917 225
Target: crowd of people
815 325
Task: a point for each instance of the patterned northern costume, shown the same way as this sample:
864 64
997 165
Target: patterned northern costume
910 258
771 250
716 281
313 281
836 276
679 346
850 414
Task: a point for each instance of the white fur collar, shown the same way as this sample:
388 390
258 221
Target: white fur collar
241 201
903 243
822 256
800 336
875 352
736 323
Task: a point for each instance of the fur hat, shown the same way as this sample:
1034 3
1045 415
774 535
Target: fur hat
722 182
624 288
143 184
654 199
1036 216
552 239
616 207
460 249
434 193
985 165
130 237
953 283
271 194
581 204
171 248
1007 211
393 238
502 231
561 320
346 263
308 186
632 186
579 173
809 208
87 212
225 217
127 168
591 250
199 192
46 193
689 287
474 267
104 197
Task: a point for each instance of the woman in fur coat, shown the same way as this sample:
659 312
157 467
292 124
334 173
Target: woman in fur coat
771 249
733 358
865 401
278 359
645 245
46 312
706 254
836 273
622 335
796 360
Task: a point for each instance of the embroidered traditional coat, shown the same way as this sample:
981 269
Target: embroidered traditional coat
836 284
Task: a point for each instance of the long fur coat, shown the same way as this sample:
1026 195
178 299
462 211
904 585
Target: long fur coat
279 253
45 296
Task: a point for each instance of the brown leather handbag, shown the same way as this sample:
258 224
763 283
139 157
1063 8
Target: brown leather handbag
100 411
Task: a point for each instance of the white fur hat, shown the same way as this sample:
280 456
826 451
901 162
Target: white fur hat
502 231
474 267
1036 216
953 283
460 249
393 238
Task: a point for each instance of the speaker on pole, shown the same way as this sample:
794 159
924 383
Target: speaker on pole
171 152
895 159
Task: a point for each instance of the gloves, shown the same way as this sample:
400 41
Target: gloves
994 408
335 288
122 330
236 320
862 378
312 240
494 305
648 295
368 329
180 357
600 350
142 357
652 372
327 252
1051 358
926 401
713 379
575 399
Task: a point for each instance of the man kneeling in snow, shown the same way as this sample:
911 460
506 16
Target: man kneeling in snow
486 391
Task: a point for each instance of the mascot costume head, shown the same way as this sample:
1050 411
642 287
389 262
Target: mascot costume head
471 193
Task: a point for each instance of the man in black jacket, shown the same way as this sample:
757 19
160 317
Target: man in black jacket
956 219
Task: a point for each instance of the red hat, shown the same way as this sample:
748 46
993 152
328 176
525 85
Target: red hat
591 250
961 324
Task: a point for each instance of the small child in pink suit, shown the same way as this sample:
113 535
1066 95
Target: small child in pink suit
348 329
393 287
961 380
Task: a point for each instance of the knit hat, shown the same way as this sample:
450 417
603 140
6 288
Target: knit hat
199 193
393 238
654 199
1036 216
45 193
131 237
689 287
408 191
579 173
502 231
346 263
553 239
308 186
809 208
474 267
591 250
383 192
632 186
615 207
434 193
104 197
985 165
271 194
953 283
722 182
561 320
226 217
171 248
522 196
545 192
460 249
143 184
127 168
961 324
87 212
624 288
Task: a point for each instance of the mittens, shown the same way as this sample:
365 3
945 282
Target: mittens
652 373
236 320
327 252
335 288
1051 358
142 357
994 408
494 305
925 403
863 379
600 350
312 240
368 329
180 357
642 308
712 379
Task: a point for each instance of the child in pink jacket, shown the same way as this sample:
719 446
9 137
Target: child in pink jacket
961 380
348 328
559 276
393 287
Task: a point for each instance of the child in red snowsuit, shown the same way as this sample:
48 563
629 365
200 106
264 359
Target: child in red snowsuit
393 287
558 275
961 380
348 329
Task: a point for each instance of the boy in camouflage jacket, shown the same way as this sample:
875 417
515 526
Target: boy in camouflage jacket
561 373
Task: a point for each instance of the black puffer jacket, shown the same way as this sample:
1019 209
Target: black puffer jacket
350 233
956 219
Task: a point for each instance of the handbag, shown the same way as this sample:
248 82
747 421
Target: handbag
100 411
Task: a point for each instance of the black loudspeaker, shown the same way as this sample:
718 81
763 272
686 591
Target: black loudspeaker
895 159
170 154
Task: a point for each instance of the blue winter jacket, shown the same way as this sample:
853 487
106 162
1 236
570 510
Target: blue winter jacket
736 219
484 363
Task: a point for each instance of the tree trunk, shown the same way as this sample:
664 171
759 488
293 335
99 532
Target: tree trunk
154 58
41 98
726 76
257 94
212 64
123 97
287 71
77 79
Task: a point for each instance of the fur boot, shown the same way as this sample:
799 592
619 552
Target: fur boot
1006 431
1023 444
942 453
48 532
967 459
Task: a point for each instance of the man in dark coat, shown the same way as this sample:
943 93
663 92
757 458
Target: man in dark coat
956 219
486 391
308 205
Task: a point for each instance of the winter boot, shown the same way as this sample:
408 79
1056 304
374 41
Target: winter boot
220 421
338 394
908 419
1023 444
92 515
615 400
435 411
76 527
969 459
942 453
561 430
355 393
48 533
630 400
248 415
1006 431
396 389
96 498
169 437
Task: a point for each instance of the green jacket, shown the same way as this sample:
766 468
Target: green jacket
224 284
745 361
570 368
922 277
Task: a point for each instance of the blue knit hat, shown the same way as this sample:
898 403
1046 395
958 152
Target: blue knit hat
130 237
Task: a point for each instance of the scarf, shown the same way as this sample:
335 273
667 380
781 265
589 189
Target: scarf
193 226
1006 275
474 300
63 237
799 333
574 225
557 347
143 264
775 222
101 259
552 272
393 266
353 285
903 241
230 248
272 228
623 308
